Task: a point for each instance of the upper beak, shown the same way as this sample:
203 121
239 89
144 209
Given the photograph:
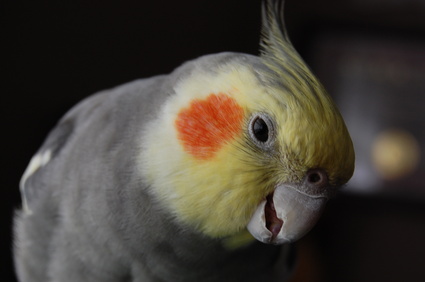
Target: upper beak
291 210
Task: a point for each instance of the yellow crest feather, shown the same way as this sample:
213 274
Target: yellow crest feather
314 122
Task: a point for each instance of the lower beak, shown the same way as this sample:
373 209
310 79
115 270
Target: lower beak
286 215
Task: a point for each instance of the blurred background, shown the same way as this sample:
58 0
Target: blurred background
370 55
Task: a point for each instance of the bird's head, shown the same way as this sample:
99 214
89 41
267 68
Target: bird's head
248 143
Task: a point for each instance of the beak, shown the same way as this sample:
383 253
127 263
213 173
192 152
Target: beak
291 210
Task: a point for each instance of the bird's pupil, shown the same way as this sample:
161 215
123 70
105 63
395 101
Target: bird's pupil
260 130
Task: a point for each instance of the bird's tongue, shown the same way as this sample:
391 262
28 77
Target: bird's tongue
273 223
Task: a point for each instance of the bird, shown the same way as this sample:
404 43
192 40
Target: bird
208 173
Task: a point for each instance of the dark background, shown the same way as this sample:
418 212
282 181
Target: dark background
57 52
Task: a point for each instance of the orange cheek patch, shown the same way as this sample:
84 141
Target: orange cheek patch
206 125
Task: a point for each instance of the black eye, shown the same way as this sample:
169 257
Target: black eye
260 130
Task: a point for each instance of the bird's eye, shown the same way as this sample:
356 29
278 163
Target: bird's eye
261 130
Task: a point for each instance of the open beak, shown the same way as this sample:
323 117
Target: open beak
289 212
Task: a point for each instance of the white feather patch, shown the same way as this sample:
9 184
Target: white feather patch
36 163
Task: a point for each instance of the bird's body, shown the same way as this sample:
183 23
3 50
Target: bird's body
89 226
171 178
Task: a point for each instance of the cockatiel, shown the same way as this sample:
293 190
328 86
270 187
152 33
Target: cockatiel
205 174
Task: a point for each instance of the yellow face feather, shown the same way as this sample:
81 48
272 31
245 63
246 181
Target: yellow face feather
217 195
208 171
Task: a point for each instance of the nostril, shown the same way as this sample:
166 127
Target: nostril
314 177
317 178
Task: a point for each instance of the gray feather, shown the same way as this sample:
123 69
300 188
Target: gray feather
92 218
